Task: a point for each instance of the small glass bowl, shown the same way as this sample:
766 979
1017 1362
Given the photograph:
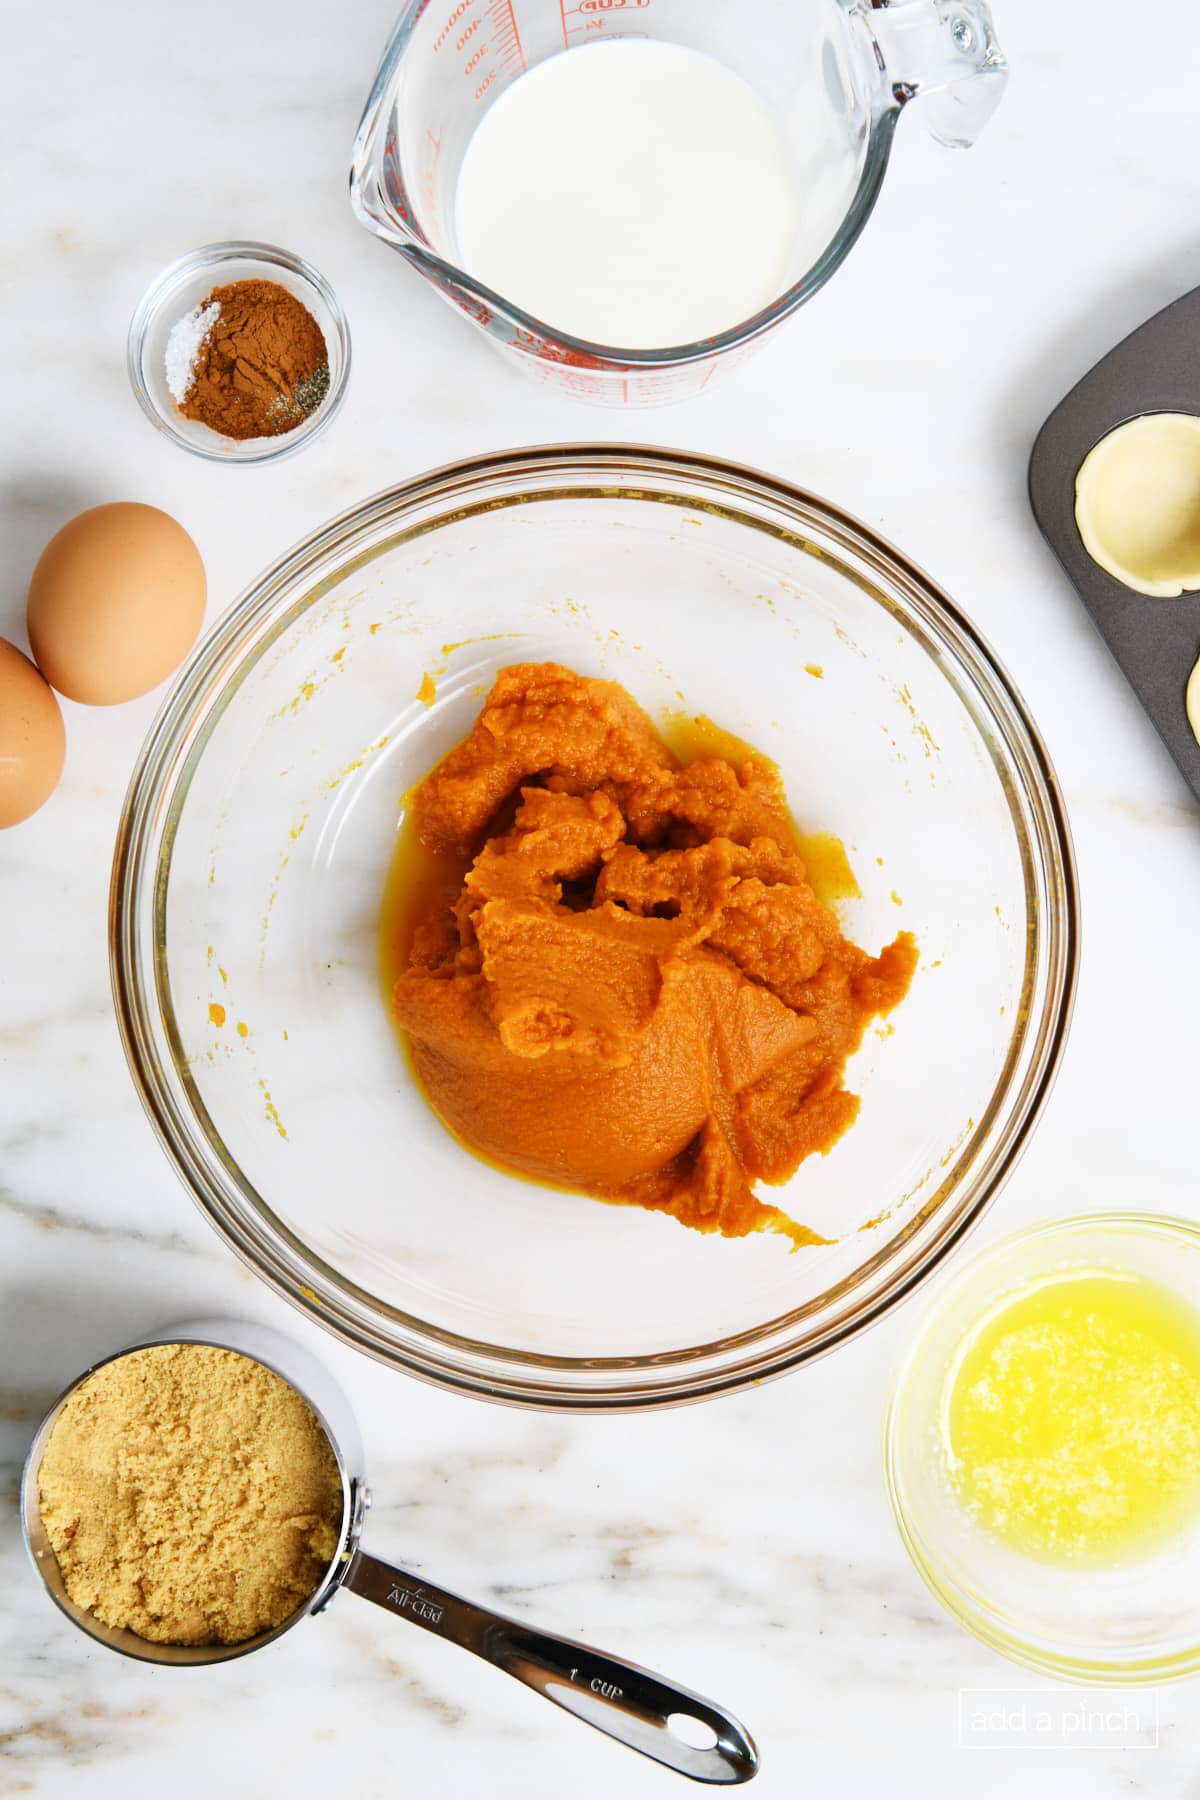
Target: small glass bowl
1138 1622
183 286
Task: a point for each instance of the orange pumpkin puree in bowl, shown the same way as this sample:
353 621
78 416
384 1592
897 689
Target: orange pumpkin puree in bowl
618 977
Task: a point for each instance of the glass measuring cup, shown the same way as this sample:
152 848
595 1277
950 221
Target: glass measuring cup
670 1724
836 73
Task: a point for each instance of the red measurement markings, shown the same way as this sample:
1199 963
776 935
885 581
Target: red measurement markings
592 15
506 39
456 16
483 33
708 375
429 171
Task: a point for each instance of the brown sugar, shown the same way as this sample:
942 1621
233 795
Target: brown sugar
263 366
190 1495
618 976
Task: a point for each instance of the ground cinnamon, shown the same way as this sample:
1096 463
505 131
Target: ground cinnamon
263 366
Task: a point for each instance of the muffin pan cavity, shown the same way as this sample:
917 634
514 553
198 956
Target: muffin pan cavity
1114 481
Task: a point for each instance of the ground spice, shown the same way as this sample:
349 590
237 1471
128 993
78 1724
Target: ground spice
263 366
189 1495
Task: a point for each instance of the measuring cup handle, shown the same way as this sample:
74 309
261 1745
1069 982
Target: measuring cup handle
943 53
672 1725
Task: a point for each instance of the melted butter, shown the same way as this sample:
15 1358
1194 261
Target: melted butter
1071 1419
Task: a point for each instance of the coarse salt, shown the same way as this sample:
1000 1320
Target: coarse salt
183 347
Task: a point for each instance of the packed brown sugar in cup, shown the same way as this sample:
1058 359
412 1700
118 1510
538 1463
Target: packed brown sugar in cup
189 1495
621 980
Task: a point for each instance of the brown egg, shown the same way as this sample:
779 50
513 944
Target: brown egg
115 603
32 740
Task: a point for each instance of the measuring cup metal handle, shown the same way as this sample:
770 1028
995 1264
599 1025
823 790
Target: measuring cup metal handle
629 1703
943 53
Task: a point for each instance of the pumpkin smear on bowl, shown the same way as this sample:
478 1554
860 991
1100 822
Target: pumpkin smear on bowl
616 976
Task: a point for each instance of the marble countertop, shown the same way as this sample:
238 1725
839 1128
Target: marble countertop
744 1547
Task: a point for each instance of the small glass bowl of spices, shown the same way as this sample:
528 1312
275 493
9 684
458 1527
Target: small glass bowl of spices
240 352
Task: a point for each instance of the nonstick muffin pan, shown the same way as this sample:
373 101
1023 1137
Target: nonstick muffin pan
1155 641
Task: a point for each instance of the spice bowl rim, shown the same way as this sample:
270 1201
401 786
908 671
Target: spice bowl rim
975 1605
160 293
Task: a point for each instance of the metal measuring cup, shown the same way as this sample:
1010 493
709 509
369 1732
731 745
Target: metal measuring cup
670 1724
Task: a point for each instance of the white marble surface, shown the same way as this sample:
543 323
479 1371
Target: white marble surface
746 1546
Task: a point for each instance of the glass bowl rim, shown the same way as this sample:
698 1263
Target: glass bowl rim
141 872
974 1612
211 256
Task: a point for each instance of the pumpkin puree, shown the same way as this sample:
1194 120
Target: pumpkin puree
628 985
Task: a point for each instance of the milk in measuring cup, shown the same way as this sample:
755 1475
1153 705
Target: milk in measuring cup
638 194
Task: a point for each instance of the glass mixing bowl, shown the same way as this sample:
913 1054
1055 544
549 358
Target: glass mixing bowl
1136 1622
257 835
